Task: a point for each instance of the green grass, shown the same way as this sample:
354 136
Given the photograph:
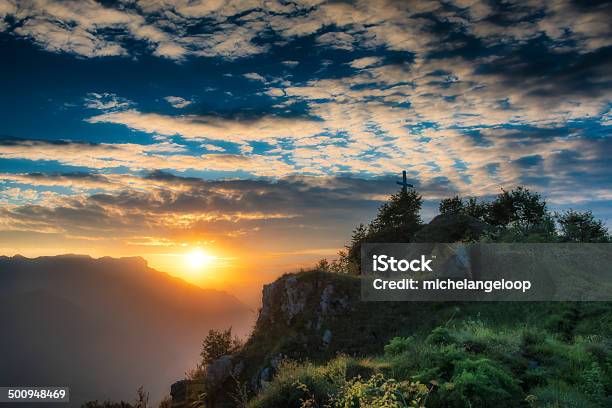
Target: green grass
479 355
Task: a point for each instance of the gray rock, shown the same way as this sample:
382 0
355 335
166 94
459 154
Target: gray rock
275 362
218 371
452 228
296 295
238 368
265 375
327 337
266 306
326 299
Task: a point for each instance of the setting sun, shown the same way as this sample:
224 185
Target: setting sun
197 259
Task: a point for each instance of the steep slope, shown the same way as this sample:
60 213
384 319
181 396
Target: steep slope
313 337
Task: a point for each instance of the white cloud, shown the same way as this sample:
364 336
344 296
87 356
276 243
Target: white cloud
173 29
212 148
178 102
106 101
140 157
214 128
339 40
254 76
365 62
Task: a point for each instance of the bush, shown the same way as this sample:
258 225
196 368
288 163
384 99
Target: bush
440 335
482 383
218 343
399 345
379 392
302 385
559 395
591 384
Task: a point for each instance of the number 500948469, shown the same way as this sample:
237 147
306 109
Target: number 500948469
34 394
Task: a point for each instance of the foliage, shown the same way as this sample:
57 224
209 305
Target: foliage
439 335
302 385
581 227
518 215
380 392
482 383
218 343
453 205
399 345
592 385
558 394
399 217
397 220
142 401
106 404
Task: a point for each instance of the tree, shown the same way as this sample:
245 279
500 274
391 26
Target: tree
581 227
519 207
452 205
471 207
353 250
323 265
218 343
142 400
398 219
475 209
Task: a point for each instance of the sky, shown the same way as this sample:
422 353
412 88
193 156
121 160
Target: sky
262 132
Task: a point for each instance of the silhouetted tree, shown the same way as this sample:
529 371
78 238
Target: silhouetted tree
106 404
520 207
353 249
323 265
581 227
142 399
399 218
476 209
453 205
218 343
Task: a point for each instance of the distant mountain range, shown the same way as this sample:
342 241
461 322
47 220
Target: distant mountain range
104 326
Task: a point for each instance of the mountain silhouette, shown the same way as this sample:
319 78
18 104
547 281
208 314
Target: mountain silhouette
103 326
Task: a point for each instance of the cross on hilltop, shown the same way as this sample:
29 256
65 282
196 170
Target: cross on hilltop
404 183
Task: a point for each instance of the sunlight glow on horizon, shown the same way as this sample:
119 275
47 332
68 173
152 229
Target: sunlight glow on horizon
198 259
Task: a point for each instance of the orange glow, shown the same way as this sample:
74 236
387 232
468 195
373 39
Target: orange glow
198 259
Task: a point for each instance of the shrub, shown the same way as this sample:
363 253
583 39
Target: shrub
218 343
440 335
559 394
591 384
399 345
380 392
482 383
302 385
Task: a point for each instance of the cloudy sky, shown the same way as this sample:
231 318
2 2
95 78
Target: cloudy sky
271 128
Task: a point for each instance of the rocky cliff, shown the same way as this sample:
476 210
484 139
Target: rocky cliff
313 316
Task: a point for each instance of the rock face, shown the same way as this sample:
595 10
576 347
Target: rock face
298 313
290 297
452 228
219 371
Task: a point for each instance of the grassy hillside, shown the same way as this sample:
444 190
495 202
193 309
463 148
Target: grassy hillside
455 355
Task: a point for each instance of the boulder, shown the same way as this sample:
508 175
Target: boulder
452 228
218 371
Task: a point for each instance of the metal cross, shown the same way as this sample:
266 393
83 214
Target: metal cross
404 183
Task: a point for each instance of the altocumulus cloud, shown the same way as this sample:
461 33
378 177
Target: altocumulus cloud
460 91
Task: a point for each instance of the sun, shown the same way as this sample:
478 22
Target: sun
198 259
